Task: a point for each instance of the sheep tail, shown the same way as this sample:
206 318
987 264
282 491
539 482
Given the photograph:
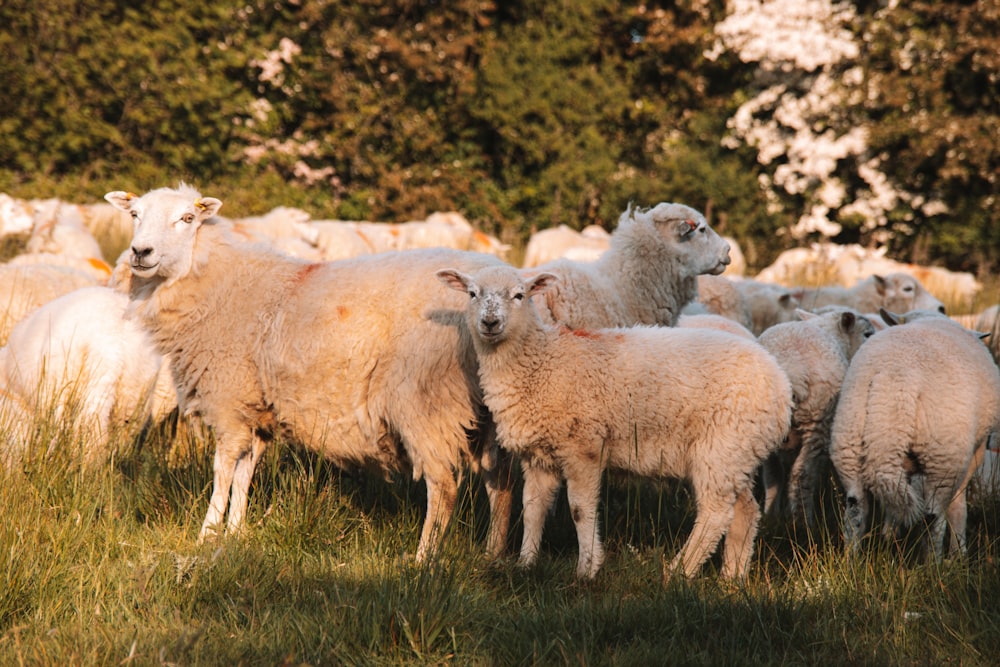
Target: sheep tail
900 489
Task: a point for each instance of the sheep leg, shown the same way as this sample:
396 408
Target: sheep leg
583 487
540 486
228 450
958 508
441 496
804 477
499 481
715 516
739 545
855 514
709 527
242 476
772 474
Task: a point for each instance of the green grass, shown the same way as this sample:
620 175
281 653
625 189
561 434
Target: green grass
101 567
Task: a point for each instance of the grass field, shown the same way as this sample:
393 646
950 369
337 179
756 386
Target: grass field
101 567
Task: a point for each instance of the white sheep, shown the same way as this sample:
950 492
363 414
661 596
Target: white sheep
25 287
916 409
15 216
768 304
896 292
58 228
814 352
719 295
78 359
361 360
646 277
554 243
695 404
713 321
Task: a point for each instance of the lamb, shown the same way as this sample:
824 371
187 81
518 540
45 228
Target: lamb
359 360
697 404
79 359
916 409
814 352
647 276
896 292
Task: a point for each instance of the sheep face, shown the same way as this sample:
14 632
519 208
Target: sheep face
902 293
165 222
496 296
683 232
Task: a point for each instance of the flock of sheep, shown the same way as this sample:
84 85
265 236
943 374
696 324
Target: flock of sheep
417 347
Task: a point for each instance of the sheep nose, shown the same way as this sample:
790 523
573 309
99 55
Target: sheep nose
490 323
141 253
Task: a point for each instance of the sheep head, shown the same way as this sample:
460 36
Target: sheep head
499 300
166 222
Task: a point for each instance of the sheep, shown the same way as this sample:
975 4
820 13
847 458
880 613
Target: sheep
896 292
647 276
58 228
845 265
814 352
79 357
713 321
697 404
25 287
359 359
917 406
719 295
339 239
554 243
768 304
15 216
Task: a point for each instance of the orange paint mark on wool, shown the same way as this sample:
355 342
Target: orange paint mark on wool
99 264
582 333
303 274
342 312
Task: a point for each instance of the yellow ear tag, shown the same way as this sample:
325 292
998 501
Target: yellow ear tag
200 205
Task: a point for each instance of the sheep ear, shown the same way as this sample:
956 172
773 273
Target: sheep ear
805 314
891 319
686 227
541 282
879 284
121 200
454 279
207 206
789 301
847 321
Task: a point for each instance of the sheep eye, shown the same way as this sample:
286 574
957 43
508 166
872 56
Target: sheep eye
134 214
519 296
188 218
472 294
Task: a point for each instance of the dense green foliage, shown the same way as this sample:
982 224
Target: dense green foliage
520 114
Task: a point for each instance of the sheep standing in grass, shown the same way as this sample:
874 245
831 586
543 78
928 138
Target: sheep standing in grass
814 352
362 360
695 404
648 274
916 409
